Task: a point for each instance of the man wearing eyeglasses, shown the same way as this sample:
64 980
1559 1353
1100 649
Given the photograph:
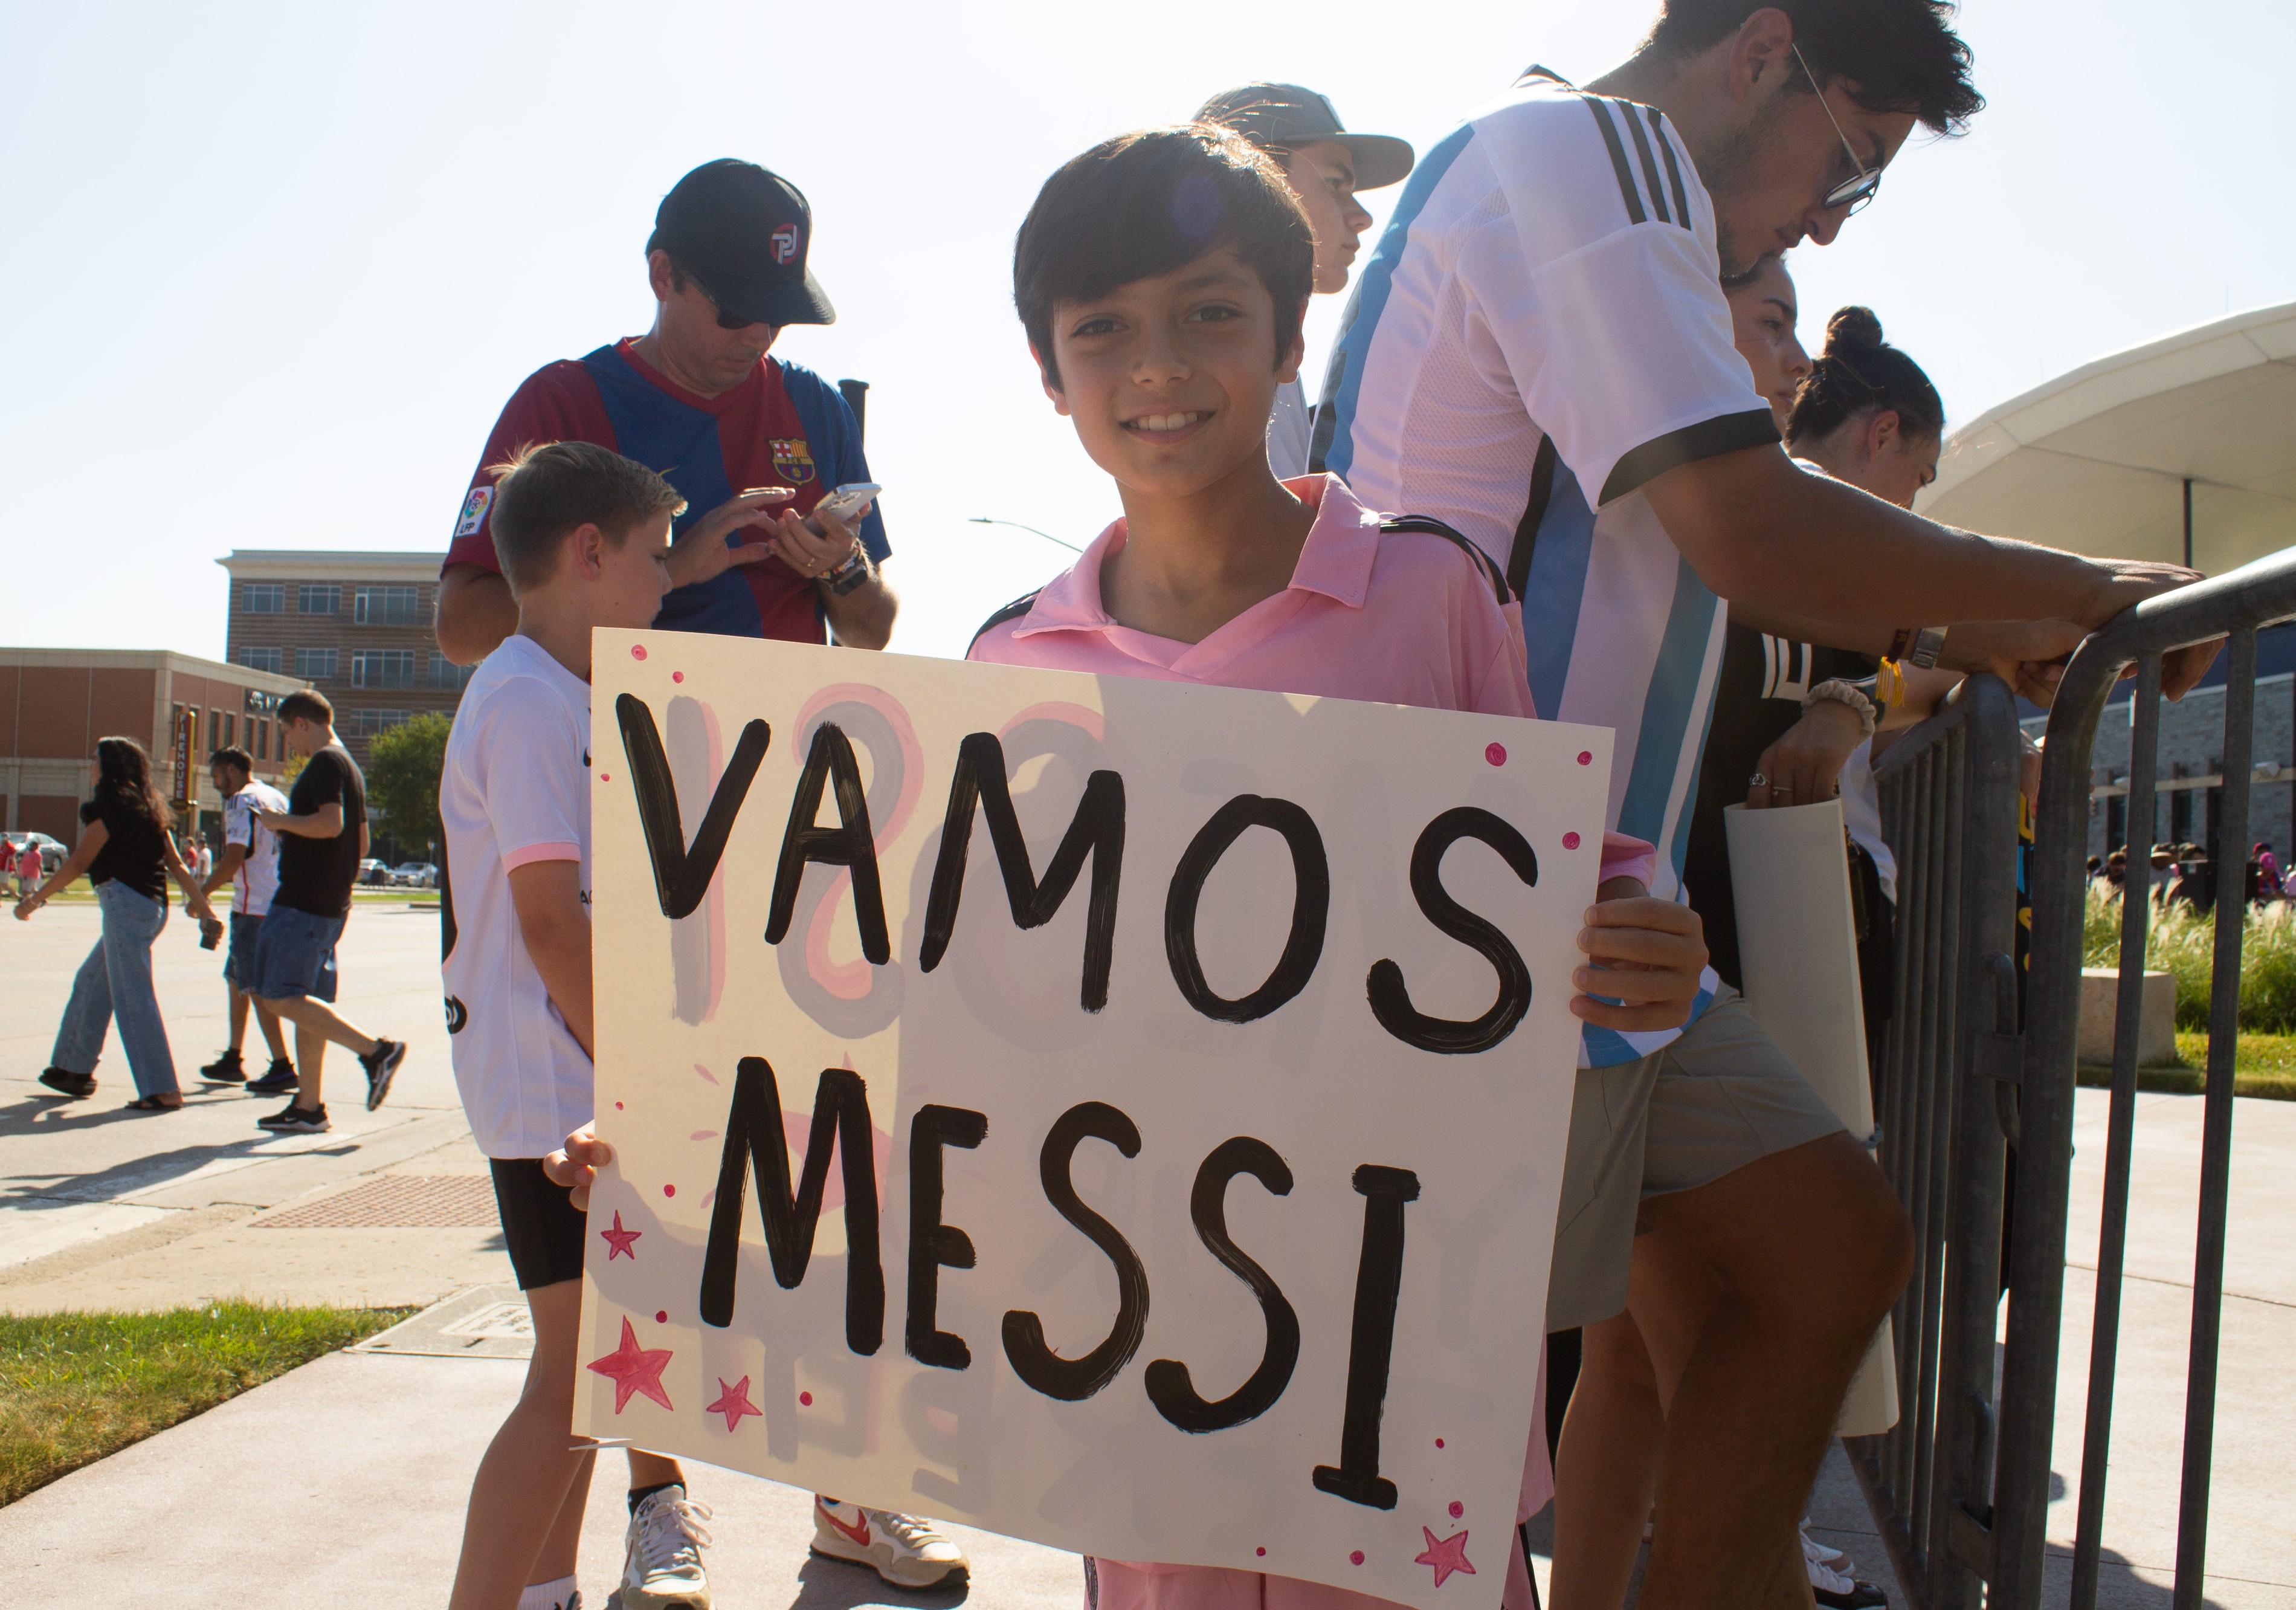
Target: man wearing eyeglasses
752 440
1540 355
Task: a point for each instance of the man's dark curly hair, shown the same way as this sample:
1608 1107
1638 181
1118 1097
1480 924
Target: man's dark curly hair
1892 55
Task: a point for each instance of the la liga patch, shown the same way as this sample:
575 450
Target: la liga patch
474 510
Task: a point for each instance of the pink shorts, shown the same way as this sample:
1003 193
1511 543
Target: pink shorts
1126 1585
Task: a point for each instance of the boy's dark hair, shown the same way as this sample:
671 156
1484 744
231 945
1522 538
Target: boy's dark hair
547 493
1857 373
235 757
1147 202
306 704
1893 55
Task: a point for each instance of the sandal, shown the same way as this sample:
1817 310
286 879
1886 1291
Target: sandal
153 1103
63 1081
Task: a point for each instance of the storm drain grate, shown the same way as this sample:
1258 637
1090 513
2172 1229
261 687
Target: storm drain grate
396 1202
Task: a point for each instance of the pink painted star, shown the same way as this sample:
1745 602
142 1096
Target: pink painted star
635 1370
1446 1555
620 1240
732 1402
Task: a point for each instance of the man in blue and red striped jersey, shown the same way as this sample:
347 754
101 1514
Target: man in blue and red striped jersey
753 441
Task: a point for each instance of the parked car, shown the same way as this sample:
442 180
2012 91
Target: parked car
372 871
415 875
52 853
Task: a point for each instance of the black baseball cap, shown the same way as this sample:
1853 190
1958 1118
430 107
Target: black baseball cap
744 233
1285 117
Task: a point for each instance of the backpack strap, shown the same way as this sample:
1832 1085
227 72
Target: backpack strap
1435 528
1011 611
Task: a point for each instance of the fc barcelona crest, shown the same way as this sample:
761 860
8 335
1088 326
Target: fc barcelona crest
793 460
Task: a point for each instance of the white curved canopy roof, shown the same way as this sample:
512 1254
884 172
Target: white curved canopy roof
2095 460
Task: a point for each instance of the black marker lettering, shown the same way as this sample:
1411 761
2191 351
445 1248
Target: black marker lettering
933 1245
754 1137
1311 906
1073 1380
1098 830
682 873
1371 1349
1391 1001
848 844
1169 1388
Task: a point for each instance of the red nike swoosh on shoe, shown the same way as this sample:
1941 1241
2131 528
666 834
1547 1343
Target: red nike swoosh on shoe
859 1534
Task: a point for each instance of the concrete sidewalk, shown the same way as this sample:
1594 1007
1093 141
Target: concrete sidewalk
104 1209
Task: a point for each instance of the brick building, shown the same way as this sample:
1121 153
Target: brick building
56 702
355 625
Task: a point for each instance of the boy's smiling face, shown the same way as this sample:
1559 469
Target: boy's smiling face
1170 380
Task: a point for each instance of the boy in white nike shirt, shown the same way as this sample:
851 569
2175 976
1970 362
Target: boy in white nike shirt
582 533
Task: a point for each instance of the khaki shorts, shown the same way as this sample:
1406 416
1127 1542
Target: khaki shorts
1718 1098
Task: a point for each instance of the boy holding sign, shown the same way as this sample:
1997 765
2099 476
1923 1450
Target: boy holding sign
583 534
1162 278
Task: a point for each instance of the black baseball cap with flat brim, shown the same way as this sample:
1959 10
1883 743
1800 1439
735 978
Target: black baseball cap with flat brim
744 231
1285 117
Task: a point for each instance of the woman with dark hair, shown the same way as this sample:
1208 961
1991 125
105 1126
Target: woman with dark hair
128 853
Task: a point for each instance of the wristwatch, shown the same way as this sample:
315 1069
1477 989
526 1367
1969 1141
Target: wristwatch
849 575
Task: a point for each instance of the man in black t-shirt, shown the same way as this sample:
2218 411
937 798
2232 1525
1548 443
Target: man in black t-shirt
322 838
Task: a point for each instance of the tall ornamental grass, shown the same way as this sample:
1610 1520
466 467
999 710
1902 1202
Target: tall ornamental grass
2182 941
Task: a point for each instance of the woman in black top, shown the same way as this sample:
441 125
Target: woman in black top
127 852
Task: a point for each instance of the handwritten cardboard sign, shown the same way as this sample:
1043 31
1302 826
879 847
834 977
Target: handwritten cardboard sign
1124 1115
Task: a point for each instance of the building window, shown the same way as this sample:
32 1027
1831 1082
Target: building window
261 659
367 723
258 734
317 598
316 664
445 673
383 668
388 606
264 598
227 725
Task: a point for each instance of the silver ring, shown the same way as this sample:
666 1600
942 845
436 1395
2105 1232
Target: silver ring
1757 781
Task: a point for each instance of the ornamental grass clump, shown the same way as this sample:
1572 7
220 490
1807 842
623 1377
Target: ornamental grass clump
2182 942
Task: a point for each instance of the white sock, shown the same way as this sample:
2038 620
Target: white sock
560 1594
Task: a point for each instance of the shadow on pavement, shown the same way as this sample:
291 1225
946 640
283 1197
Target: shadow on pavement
825 1584
143 1173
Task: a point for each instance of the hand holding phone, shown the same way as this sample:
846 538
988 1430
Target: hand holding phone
848 501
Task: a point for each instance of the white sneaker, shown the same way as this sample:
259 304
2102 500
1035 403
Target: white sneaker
662 1570
1812 1549
904 1550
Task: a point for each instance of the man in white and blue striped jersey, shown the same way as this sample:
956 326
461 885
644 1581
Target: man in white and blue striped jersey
1539 353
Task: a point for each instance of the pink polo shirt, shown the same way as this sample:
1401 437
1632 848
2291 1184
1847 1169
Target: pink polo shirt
1393 617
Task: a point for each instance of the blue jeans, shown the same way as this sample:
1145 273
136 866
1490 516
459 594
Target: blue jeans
115 981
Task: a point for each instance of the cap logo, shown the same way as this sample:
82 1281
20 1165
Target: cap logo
784 243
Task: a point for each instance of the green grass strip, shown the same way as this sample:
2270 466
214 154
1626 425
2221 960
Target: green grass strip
76 1386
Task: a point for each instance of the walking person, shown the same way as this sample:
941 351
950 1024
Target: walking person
27 867
324 839
249 863
128 854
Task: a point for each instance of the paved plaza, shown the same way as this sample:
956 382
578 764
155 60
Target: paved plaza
365 1456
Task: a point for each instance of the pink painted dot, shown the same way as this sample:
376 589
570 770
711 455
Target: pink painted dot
605 777
1569 840
662 1317
638 651
1496 754
1356 1559
806 1397
1260 1551
1586 757
1457 1509
1438 1442
618 1106
669 1190
677 675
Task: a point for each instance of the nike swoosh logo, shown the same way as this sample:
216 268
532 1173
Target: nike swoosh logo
859 1534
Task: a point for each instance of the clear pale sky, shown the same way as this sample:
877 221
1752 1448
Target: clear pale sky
274 269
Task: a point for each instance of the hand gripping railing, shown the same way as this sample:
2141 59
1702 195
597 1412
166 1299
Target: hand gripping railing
2005 1543
1949 790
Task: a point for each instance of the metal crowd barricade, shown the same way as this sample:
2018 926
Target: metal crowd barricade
2005 1543
1960 1487
1949 791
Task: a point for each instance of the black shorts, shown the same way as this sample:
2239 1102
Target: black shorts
544 1228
